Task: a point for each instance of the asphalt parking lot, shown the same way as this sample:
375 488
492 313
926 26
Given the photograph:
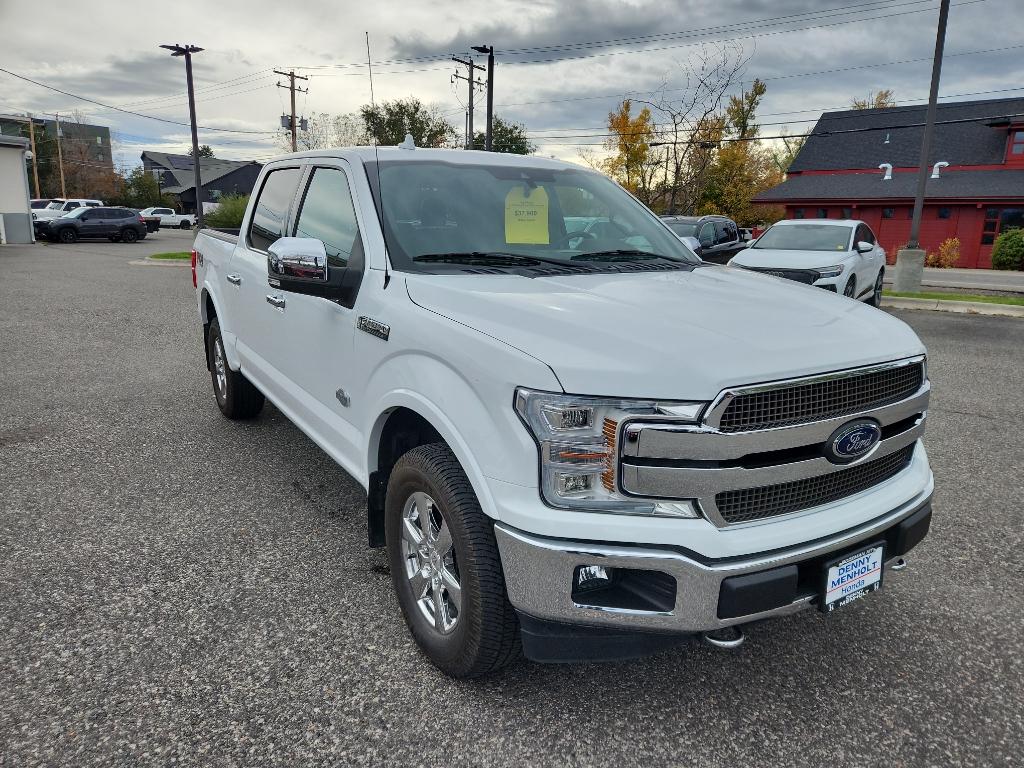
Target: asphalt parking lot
179 589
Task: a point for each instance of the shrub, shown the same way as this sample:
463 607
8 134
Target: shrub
229 213
948 255
1008 252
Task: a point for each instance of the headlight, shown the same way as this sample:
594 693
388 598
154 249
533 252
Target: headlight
835 271
577 439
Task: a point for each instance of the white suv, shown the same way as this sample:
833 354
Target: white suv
842 256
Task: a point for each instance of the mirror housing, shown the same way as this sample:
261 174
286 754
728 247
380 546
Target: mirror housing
693 244
299 265
864 246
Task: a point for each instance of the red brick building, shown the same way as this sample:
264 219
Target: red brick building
979 194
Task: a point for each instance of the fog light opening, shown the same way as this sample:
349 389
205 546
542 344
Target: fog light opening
590 577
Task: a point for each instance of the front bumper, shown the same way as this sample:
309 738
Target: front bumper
539 576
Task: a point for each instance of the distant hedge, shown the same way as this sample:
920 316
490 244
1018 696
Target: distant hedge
1008 252
229 213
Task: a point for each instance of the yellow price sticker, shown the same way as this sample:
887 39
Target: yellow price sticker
526 216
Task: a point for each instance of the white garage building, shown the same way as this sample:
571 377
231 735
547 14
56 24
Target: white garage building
15 210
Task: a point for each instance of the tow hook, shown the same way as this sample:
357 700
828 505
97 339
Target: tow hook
728 638
899 565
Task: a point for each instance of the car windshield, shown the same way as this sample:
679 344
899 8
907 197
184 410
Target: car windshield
56 205
806 237
37 204
682 228
514 215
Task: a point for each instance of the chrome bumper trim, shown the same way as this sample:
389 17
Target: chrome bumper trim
539 573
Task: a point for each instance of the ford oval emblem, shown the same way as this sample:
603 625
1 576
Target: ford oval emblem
852 440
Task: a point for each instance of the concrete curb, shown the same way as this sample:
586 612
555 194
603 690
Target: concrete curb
957 307
148 262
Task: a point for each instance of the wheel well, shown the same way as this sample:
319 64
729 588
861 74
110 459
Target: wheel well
404 430
209 315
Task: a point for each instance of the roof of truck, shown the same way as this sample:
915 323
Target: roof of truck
460 156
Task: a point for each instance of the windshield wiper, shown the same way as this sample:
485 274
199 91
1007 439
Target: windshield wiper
623 255
490 259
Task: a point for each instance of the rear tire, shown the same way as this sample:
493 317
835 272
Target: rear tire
184 225
441 546
851 288
67 236
875 300
129 235
236 397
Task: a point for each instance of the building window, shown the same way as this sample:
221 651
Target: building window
888 213
823 213
1015 151
847 213
998 221
798 213
945 213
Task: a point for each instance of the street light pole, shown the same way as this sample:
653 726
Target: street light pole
910 261
187 51
489 50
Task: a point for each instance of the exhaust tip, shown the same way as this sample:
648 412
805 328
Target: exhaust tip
726 638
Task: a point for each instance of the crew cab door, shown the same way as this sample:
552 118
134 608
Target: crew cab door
319 359
257 311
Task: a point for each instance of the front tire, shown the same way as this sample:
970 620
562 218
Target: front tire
876 295
184 225
236 397
445 565
67 236
851 288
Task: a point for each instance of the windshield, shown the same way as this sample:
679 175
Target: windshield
56 205
806 237
435 211
682 229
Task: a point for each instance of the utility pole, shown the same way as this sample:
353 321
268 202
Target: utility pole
187 51
292 77
35 166
910 261
60 157
473 83
489 50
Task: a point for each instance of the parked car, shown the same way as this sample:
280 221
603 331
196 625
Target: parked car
168 218
718 238
839 255
587 446
115 224
40 203
60 207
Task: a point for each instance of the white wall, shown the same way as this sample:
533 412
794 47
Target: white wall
13 182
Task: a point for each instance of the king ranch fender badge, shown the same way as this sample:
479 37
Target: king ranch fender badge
526 216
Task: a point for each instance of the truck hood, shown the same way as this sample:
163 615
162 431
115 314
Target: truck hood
668 335
767 258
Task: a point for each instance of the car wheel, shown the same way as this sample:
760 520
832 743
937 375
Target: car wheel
184 225
129 235
67 235
851 288
445 565
236 397
876 295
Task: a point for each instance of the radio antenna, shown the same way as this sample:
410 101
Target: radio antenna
376 163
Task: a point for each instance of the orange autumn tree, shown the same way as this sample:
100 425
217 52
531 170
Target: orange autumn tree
631 165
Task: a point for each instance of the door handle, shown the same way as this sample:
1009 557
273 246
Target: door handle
275 301
235 279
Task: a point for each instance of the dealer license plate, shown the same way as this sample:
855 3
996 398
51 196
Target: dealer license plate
852 577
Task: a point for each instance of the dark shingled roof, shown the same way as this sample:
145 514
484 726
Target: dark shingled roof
969 143
953 184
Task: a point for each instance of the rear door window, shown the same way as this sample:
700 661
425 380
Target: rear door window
270 214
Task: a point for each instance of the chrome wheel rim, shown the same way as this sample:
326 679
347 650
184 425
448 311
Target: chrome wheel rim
220 369
430 566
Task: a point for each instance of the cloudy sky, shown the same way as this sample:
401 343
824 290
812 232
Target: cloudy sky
562 64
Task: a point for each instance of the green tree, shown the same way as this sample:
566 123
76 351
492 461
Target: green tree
879 100
139 189
205 150
389 122
506 137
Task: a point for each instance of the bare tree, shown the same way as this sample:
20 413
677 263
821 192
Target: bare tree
691 124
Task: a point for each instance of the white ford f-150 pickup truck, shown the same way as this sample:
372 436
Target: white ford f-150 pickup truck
578 445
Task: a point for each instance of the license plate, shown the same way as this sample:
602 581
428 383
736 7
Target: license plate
852 577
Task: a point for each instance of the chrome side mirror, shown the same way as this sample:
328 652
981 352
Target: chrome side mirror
297 258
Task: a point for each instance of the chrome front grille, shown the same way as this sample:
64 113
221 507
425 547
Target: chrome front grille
820 399
748 504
